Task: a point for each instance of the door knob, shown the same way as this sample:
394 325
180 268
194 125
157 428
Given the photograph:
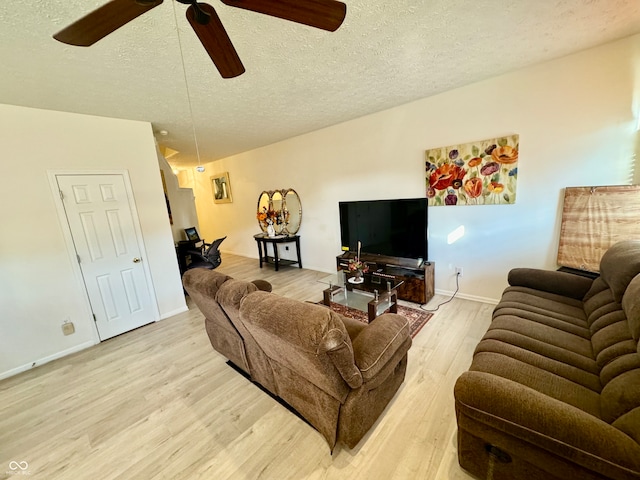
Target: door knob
136 260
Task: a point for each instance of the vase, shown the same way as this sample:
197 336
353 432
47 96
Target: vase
271 231
357 277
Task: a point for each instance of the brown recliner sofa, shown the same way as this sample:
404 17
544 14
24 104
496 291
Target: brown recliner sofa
553 391
339 374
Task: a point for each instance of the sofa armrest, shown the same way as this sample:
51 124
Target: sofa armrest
560 283
543 421
380 342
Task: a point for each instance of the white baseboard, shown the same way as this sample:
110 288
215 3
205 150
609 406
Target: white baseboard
475 298
42 361
174 312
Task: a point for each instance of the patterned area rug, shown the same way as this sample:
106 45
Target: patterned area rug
417 318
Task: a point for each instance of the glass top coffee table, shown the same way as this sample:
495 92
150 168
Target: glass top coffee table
375 295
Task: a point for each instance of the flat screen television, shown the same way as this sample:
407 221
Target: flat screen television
396 228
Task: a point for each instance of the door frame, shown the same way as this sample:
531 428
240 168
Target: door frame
71 249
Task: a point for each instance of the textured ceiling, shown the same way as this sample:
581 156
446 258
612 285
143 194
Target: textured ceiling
298 79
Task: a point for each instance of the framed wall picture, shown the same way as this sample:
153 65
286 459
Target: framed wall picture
478 173
221 188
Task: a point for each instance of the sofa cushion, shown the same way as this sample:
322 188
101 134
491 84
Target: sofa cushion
297 336
621 395
631 306
544 362
232 292
580 358
542 332
562 284
546 308
629 423
205 282
545 382
612 342
542 301
619 265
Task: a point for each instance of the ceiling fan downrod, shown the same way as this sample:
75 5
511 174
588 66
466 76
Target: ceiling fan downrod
202 17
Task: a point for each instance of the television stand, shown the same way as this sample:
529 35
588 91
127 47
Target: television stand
417 276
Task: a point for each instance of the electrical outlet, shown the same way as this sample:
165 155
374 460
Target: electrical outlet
68 328
459 271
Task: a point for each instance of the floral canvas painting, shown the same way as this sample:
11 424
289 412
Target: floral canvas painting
478 173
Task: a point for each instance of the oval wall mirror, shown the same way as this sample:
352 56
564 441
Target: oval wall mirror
292 211
286 205
264 201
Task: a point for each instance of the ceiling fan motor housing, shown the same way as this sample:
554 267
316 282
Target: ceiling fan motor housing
202 17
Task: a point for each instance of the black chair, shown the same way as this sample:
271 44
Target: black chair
209 259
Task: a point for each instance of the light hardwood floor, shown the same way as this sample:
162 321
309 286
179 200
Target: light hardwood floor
160 403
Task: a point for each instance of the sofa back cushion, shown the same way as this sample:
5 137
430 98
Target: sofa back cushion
202 285
231 293
306 339
631 306
619 265
203 281
620 360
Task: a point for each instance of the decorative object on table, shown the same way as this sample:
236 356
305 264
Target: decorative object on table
269 217
221 187
286 204
358 267
477 173
192 234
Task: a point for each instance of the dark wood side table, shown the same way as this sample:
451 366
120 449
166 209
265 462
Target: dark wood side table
262 239
183 252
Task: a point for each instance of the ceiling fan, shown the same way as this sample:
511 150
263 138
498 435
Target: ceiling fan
324 14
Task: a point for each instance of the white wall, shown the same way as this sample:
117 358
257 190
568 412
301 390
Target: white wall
575 119
182 201
38 287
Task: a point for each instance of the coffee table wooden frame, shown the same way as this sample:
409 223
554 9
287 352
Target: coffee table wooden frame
372 307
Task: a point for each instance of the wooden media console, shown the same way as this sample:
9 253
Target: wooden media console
417 276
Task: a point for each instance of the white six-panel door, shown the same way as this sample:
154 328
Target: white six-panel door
102 227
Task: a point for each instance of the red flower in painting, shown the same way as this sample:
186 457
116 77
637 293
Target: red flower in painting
443 177
473 187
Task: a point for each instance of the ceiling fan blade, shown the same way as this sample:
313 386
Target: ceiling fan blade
324 14
215 40
101 22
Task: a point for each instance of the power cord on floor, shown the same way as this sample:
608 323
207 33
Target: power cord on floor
447 301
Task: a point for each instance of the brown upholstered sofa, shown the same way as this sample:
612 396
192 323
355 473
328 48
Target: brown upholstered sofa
337 373
553 391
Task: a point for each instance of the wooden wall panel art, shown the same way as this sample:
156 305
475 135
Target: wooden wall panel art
593 219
